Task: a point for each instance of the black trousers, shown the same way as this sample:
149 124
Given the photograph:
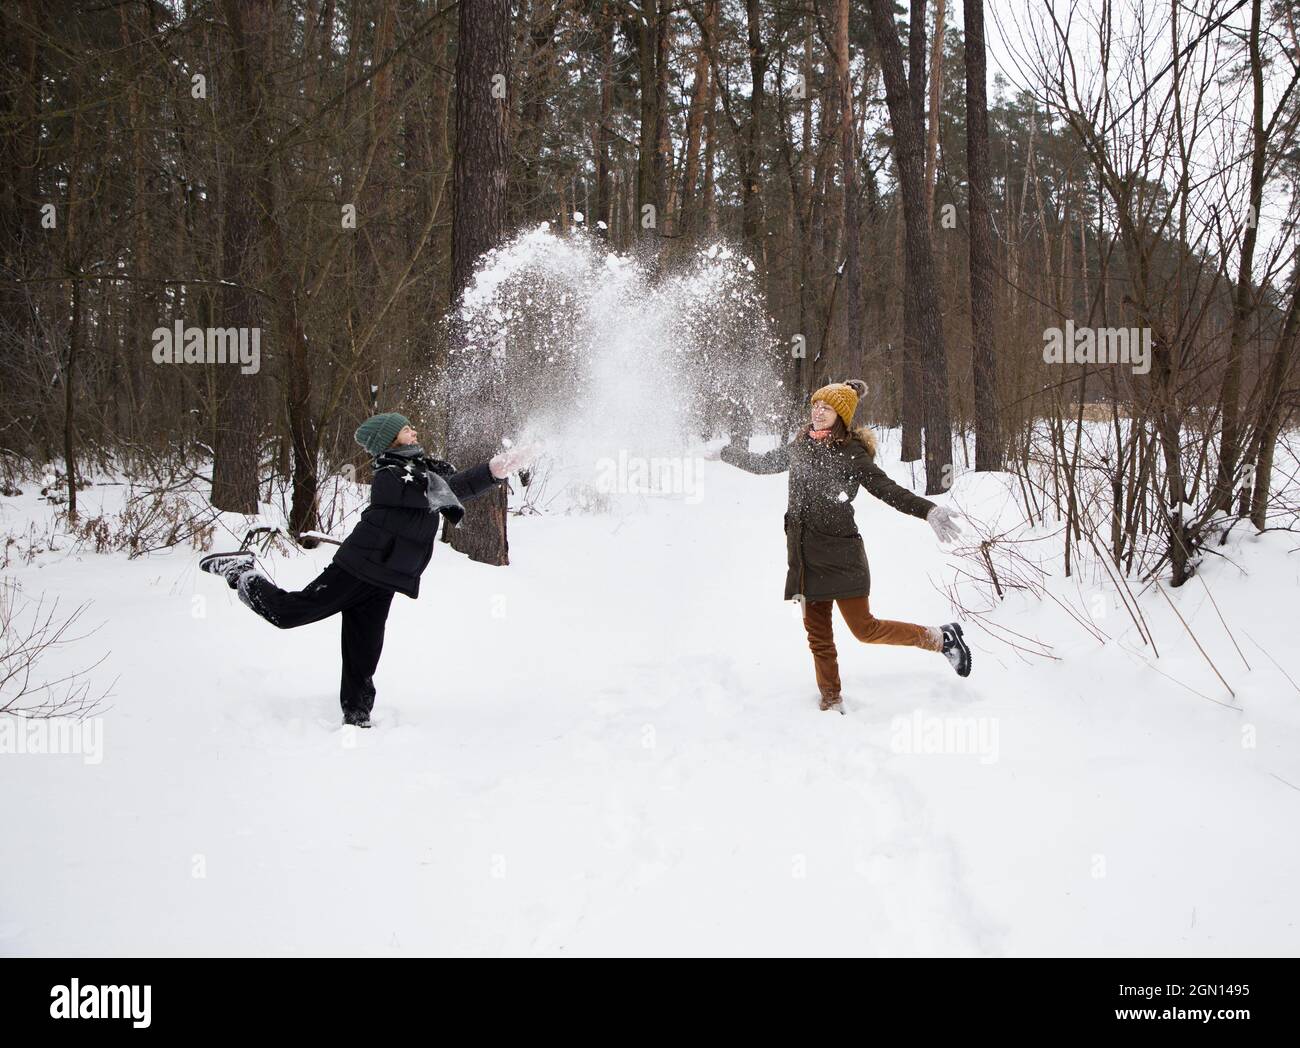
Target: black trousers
365 612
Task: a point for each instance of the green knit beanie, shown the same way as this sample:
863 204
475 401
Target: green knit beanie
379 431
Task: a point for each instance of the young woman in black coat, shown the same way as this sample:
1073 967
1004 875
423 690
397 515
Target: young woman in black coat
387 551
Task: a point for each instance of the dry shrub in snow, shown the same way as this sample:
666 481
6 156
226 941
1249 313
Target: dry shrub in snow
151 520
31 631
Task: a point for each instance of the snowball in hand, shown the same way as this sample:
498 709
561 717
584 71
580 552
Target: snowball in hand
508 461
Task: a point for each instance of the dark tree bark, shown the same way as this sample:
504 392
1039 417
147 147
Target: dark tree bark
909 154
663 164
75 339
988 438
912 397
751 191
851 292
1274 410
701 99
235 464
72 266
251 25
648 145
820 238
532 131
142 306
478 225
1243 305
604 137
19 200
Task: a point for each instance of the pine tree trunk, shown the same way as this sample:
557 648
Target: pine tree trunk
647 223
1243 306
851 291
909 147
1273 410
913 391
478 225
751 186
988 440
19 203
235 465
701 99
604 212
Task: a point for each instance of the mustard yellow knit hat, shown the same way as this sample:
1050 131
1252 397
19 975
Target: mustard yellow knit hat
843 398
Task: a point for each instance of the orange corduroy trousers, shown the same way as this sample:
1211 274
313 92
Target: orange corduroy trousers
865 627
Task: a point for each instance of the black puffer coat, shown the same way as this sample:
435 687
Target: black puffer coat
393 541
825 557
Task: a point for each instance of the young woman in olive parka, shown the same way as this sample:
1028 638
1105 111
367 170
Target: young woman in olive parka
826 560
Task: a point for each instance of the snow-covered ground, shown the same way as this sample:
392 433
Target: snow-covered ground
613 747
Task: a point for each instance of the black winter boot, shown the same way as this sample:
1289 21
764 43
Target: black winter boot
228 565
361 717
955 650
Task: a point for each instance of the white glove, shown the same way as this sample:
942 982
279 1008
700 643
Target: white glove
508 461
944 522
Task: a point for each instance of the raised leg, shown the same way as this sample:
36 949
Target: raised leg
330 592
871 630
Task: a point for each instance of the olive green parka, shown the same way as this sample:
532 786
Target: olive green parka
825 557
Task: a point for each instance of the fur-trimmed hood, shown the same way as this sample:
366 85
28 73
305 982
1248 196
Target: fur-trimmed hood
866 438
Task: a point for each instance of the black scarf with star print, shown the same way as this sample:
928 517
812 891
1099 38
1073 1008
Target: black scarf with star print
411 460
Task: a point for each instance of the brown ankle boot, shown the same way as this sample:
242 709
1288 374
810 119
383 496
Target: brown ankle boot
830 699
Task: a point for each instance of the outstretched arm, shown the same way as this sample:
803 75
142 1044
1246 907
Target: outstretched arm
940 518
775 461
467 484
471 483
404 488
876 481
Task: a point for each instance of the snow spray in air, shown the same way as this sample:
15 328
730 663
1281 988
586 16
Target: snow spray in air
617 372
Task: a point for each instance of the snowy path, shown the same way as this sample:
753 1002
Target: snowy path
614 747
